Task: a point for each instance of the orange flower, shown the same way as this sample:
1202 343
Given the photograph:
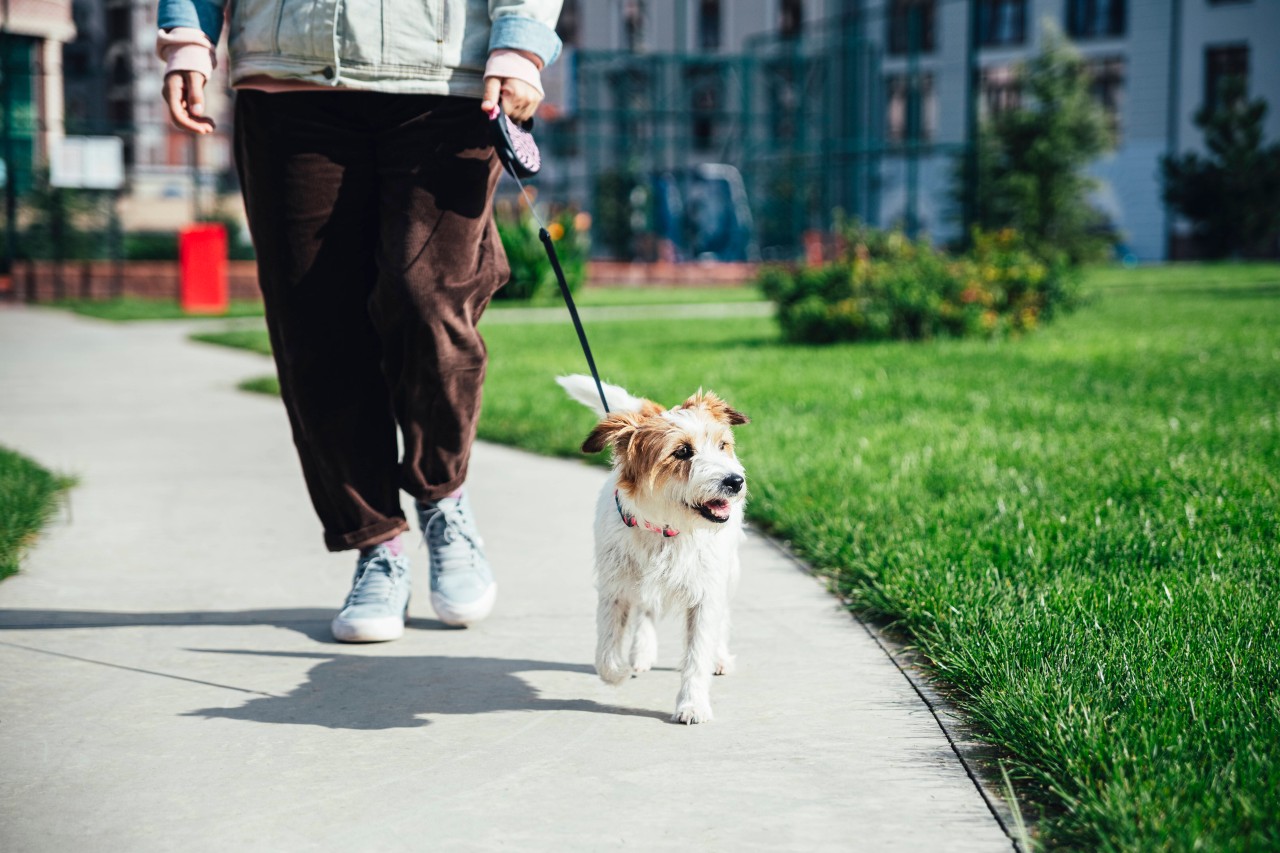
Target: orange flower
582 222
556 230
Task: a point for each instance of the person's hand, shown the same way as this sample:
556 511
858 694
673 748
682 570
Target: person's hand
519 100
183 92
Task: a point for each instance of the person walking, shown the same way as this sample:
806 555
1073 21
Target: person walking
362 145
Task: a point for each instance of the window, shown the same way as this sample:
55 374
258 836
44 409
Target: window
1106 84
709 24
570 23
633 25
790 18
1002 22
704 117
912 111
1095 18
912 23
784 98
1221 65
118 24
1001 90
704 83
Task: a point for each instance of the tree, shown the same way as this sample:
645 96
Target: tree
1232 197
1032 159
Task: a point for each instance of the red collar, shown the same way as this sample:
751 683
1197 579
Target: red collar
631 521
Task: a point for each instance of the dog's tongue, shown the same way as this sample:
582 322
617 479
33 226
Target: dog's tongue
718 508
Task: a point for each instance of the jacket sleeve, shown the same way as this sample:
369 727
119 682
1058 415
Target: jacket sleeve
203 15
521 25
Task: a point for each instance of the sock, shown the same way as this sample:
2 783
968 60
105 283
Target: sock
393 545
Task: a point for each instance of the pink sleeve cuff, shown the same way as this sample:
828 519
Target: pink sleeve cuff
186 49
510 64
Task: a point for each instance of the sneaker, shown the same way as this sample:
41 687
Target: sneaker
462 586
376 607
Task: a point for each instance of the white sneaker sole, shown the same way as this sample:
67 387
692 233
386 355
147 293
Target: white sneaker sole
461 615
367 630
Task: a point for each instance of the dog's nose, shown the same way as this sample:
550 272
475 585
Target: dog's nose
732 484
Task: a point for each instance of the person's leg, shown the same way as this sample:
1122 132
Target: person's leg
307 169
440 262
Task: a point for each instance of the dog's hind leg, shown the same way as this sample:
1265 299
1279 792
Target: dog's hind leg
725 661
644 648
612 616
693 704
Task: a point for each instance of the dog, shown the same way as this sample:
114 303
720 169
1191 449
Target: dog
667 529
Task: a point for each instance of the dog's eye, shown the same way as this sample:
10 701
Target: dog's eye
684 451
724 445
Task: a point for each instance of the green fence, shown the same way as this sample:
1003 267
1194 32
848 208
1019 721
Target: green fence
802 120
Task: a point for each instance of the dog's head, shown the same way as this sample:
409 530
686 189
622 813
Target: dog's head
682 457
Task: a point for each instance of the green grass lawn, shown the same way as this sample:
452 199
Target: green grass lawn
132 308
28 498
1078 529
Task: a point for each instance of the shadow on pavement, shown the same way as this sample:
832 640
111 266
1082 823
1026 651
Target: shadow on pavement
356 691
343 691
312 622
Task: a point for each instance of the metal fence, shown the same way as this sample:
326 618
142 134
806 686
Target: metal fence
737 157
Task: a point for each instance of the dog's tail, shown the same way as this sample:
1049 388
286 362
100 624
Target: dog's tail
583 389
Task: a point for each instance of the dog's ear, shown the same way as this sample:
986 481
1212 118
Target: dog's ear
613 431
719 409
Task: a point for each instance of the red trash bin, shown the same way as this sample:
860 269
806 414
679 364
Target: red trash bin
202 264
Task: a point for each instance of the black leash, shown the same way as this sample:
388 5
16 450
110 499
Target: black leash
518 153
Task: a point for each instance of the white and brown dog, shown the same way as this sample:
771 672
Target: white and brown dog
668 525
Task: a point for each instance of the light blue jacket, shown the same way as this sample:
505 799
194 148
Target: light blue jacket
418 46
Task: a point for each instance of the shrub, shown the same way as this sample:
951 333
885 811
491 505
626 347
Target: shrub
531 273
885 286
1032 157
1231 195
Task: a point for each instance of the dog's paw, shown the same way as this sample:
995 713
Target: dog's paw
725 664
613 671
641 663
693 712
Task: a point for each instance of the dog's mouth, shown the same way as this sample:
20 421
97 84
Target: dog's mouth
717 510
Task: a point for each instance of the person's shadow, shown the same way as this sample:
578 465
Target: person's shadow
357 691
347 690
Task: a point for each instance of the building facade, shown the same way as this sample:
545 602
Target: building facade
113 84
32 33
864 104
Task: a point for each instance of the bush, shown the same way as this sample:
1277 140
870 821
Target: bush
1032 160
1231 195
151 246
885 286
531 273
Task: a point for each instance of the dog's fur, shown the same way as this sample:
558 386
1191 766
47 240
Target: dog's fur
673 470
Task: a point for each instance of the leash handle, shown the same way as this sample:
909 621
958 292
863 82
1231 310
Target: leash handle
545 237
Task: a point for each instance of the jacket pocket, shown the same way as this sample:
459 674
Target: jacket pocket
253 26
413 35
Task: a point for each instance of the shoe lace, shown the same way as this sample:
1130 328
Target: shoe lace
376 578
446 534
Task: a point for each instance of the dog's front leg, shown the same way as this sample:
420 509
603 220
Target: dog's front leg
644 648
612 616
693 704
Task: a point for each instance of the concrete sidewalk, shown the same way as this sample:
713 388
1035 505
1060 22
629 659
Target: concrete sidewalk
167 679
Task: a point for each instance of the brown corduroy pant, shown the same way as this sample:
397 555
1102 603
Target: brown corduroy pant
377 255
